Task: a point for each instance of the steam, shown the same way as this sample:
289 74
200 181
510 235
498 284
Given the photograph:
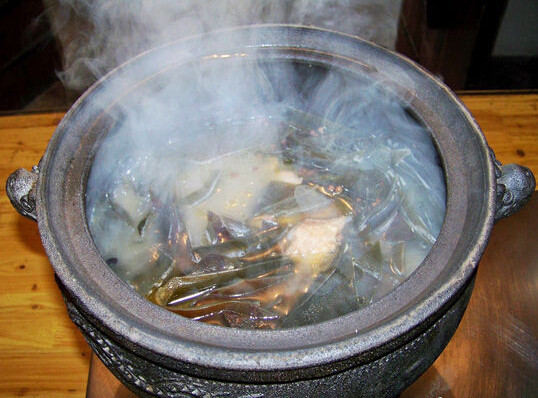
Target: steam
179 131
97 35
181 123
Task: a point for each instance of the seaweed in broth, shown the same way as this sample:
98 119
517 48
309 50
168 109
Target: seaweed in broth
288 232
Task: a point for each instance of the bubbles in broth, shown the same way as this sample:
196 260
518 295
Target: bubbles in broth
274 216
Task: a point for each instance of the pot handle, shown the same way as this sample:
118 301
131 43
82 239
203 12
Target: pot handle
515 185
21 190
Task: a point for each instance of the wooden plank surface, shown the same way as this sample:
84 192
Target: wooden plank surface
42 354
510 124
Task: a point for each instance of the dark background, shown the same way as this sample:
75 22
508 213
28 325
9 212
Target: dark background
470 44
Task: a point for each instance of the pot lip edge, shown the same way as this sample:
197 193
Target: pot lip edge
472 257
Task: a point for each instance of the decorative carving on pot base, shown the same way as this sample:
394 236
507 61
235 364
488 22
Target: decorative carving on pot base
384 377
135 372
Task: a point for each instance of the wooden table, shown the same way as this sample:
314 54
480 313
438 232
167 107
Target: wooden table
493 354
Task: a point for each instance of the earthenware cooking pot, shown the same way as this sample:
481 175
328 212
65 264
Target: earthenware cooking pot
374 352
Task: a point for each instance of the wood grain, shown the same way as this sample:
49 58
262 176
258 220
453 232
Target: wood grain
510 124
42 354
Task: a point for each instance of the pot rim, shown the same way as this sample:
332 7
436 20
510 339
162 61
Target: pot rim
436 281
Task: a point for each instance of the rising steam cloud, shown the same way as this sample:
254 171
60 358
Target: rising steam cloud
214 138
191 137
97 35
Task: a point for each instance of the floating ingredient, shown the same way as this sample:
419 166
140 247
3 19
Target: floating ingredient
262 235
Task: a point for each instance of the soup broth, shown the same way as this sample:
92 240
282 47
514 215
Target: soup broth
270 220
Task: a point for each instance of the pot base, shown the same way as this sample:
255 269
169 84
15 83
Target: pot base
385 377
